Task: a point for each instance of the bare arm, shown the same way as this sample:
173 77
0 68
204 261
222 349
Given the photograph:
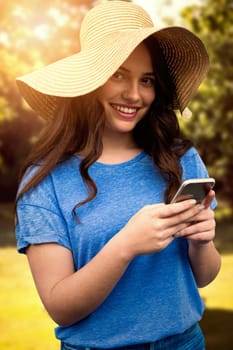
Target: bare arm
70 296
205 262
204 257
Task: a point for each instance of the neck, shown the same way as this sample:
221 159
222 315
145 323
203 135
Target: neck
118 149
121 142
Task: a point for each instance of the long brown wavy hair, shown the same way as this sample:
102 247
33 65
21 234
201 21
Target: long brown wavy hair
79 126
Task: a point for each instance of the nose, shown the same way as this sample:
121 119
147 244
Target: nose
131 92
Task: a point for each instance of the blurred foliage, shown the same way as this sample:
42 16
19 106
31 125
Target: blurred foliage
35 33
211 126
32 34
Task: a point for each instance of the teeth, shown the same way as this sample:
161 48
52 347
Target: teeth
122 109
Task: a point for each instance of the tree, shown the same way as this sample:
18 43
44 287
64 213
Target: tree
212 123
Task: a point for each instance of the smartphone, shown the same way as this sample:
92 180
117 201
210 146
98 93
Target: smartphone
194 189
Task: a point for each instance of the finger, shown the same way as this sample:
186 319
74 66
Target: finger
187 217
169 210
209 199
198 228
176 231
202 237
166 226
202 215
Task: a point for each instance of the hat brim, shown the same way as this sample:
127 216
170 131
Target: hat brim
81 73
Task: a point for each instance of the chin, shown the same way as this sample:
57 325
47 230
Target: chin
124 127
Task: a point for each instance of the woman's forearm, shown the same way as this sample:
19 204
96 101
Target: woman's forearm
205 262
80 293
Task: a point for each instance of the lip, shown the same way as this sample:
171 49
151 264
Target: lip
125 111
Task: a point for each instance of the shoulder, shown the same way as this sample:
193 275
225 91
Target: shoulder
56 180
191 155
192 164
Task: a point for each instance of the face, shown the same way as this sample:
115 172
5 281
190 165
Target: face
128 94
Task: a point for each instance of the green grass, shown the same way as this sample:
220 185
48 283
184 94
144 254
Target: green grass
25 324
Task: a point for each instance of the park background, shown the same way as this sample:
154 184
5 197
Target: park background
35 33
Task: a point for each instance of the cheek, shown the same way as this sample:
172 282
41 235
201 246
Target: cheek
149 97
107 91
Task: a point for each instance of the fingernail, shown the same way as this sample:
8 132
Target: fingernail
193 201
201 207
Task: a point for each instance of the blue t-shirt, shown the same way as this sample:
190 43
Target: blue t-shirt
157 296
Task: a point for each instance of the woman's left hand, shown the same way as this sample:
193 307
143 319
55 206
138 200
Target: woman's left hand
202 226
204 257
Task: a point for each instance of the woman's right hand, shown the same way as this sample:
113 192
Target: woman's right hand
153 227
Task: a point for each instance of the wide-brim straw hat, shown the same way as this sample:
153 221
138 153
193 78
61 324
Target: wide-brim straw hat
109 33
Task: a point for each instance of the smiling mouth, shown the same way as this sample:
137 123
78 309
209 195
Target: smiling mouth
124 109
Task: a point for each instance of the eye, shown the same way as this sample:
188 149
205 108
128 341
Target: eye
118 75
148 81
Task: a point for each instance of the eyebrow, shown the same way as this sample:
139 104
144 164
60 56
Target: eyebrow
128 71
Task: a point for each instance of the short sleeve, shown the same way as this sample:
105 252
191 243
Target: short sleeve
39 219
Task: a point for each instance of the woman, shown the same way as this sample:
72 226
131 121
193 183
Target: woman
114 265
